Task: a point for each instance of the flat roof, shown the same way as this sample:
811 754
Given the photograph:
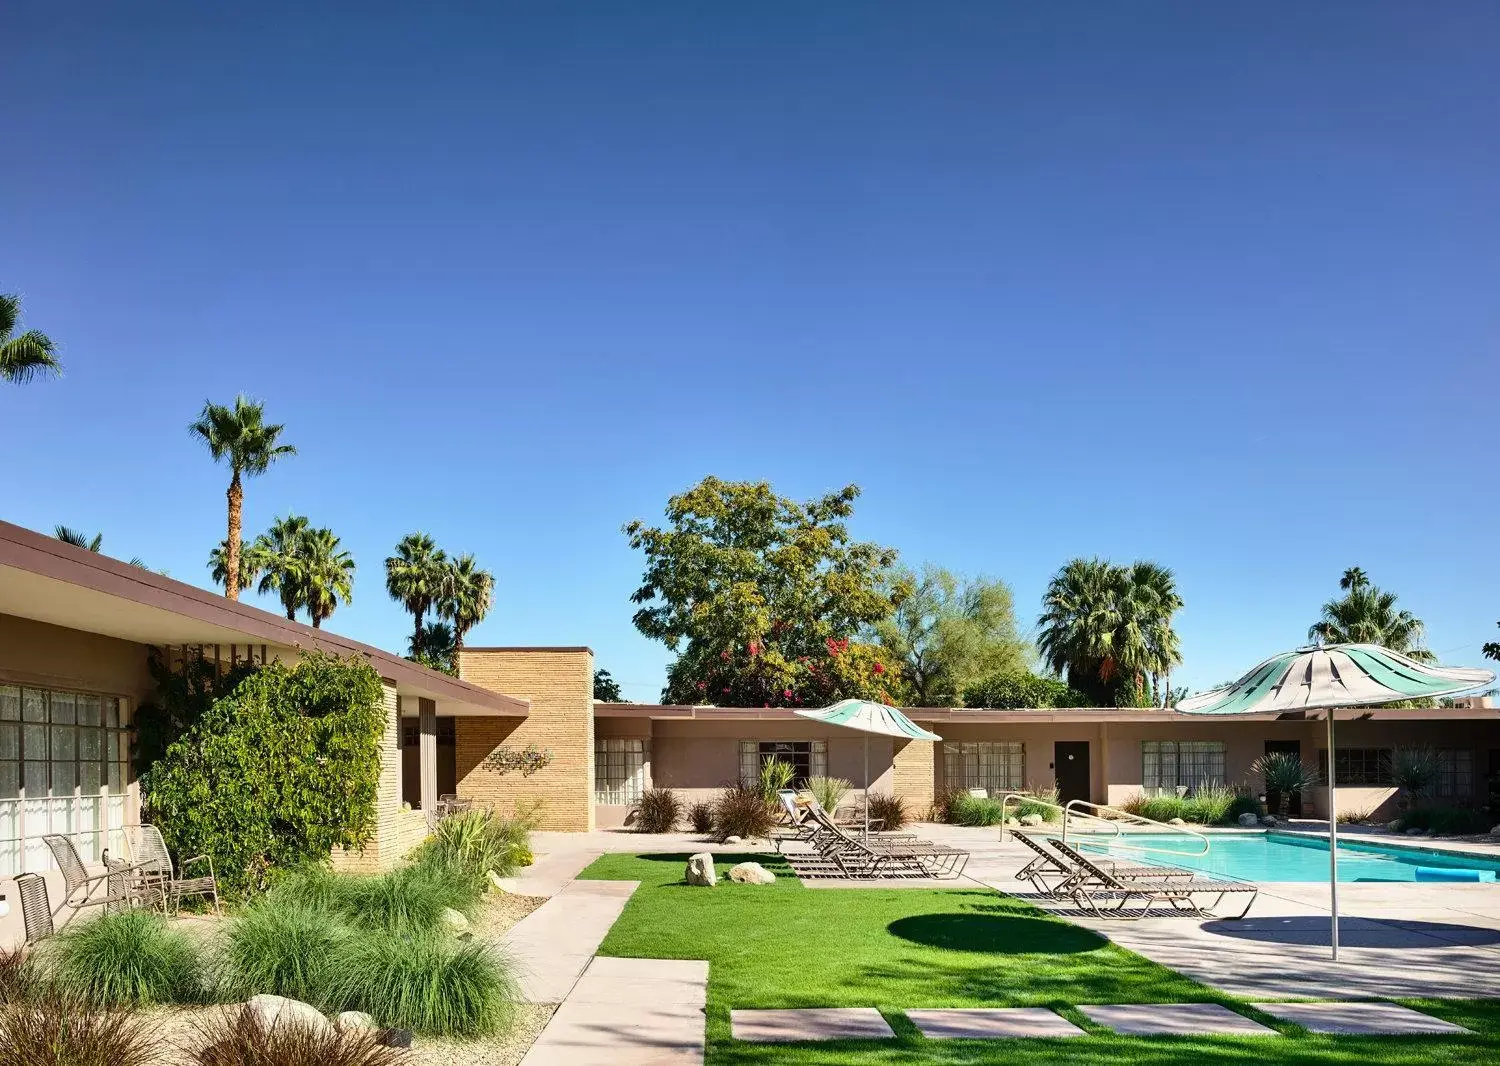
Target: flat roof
45 580
938 715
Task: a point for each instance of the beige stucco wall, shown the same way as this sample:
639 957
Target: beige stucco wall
559 682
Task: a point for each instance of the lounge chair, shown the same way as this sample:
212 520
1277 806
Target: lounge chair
1102 884
861 857
124 884
36 908
1049 863
149 851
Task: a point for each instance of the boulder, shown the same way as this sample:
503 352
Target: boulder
497 883
400 1038
269 1010
1031 819
734 840
1249 821
1011 823
454 922
751 873
1176 821
700 870
354 1021
1269 822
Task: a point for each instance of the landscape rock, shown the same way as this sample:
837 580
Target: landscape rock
1031 819
1249 820
1415 832
497 883
700 870
268 1010
394 1038
353 1021
1269 822
1011 823
752 873
734 840
1176 821
1394 825
454 922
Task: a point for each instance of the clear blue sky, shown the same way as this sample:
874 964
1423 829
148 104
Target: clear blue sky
1217 285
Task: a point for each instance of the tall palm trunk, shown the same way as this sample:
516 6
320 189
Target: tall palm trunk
236 496
416 633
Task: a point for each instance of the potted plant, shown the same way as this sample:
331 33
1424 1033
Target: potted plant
1286 774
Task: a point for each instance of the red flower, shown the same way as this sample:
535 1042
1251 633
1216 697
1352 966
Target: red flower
753 648
724 655
787 694
703 684
880 668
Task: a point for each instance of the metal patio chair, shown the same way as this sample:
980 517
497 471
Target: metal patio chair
36 908
124 885
149 851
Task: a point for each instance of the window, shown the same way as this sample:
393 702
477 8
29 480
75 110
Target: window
809 758
1359 766
63 758
619 770
1168 765
1455 779
997 766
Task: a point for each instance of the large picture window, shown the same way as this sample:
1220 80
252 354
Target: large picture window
997 766
1169 765
619 770
809 758
1455 779
1359 766
63 758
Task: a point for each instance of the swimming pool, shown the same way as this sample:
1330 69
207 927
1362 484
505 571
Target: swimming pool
1282 857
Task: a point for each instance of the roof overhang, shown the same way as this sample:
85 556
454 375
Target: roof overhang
1076 715
45 580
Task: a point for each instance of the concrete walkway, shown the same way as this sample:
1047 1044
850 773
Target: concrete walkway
628 1012
555 943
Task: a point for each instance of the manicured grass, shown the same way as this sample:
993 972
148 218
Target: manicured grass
788 946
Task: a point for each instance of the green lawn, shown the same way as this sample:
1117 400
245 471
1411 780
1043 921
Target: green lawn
787 946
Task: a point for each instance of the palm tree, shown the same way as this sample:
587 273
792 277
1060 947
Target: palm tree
1368 615
1153 592
466 596
240 437
327 574
80 539
280 553
432 645
251 563
25 356
415 577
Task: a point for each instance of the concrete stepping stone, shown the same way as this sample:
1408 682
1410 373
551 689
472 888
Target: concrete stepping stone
1360 1019
628 1012
1175 1019
991 1023
818 1023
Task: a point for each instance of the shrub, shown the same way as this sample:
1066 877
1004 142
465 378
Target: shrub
283 946
741 811
659 811
1207 805
477 842
964 809
61 1032
293 755
775 775
829 791
1244 804
428 984
1043 803
409 899
17 977
237 1038
132 958
891 810
1286 774
1355 815
701 817
1446 821
1014 691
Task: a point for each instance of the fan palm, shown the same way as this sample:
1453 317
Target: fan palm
239 436
415 577
251 564
432 645
466 596
1369 615
80 539
280 554
327 574
23 356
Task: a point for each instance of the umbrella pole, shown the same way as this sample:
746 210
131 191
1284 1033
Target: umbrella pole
867 786
1333 839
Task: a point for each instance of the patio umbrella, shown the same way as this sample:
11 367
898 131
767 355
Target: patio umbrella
1327 677
869 717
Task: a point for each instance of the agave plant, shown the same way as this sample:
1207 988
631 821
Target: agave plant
1413 770
1287 775
775 775
830 791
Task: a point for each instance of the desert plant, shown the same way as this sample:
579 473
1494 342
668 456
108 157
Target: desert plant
1206 805
17 976
964 809
659 811
282 946
1413 771
132 958
55 1031
701 817
1042 802
238 1038
1285 773
1446 821
409 899
477 842
891 810
1245 804
775 775
428 984
829 791
742 811
1354 815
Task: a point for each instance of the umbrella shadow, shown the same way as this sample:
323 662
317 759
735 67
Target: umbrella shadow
1353 932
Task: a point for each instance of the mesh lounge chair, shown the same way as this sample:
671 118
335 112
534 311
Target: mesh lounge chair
1064 872
154 862
1178 891
860 857
36 908
124 885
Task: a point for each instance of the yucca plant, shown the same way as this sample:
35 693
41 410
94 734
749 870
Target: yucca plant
829 791
238 1038
1413 771
1287 775
775 775
659 811
60 1031
133 958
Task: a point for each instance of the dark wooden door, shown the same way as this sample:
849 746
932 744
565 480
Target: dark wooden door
1273 799
1070 765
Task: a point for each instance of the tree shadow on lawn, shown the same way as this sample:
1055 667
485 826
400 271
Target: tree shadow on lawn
995 934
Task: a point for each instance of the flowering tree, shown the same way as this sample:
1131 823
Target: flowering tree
761 598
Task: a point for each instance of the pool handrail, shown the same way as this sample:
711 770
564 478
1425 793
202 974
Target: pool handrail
1120 815
1032 799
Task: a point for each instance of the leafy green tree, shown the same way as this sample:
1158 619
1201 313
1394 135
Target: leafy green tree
250 565
415 577
606 688
1369 615
1492 648
947 633
277 555
327 575
239 436
465 596
761 597
23 356
433 646
1022 690
1108 628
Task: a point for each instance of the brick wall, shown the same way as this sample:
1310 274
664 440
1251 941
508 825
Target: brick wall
912 775
559 682
396 831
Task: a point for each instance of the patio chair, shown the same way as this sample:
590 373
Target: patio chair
123 884
149 851
36 908
1050 863
861 857
1102 884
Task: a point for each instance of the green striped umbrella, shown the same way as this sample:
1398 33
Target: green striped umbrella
869 717
1326 677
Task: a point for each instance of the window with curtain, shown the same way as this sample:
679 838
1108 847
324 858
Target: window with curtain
1167 765
997 766
809 758
63 759
619 770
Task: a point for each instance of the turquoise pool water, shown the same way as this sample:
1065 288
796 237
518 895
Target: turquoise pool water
1278 857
